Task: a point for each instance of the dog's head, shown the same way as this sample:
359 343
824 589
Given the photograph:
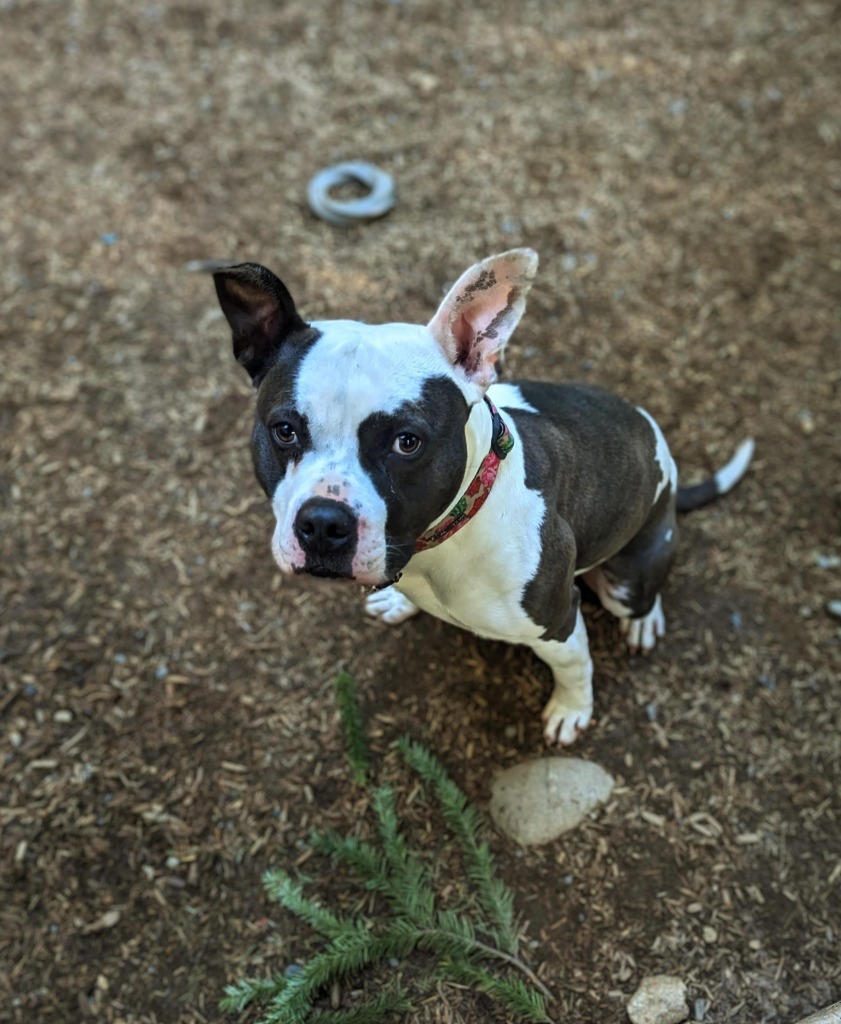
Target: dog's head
359 437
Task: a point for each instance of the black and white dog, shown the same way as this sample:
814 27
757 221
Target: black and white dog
393 459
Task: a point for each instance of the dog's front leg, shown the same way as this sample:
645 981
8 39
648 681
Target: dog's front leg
390 606
570 707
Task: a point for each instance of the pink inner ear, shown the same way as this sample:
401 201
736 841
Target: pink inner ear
463 332
486 308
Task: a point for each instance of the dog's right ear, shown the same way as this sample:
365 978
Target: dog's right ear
259 309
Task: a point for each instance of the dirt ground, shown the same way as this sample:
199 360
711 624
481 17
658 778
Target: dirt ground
169 728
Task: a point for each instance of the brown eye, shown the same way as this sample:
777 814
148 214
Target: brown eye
284 434
406 444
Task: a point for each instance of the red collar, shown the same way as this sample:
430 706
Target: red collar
477 491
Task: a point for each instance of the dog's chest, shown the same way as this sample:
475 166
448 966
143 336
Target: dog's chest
475 579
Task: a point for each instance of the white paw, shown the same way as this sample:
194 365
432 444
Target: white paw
642 634
389 606
562 723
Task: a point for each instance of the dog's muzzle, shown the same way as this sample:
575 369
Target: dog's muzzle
327 532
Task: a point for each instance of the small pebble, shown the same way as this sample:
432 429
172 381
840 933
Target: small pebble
660 999
806 421
834 609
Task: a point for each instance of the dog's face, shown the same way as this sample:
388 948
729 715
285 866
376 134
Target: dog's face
359 437
359 443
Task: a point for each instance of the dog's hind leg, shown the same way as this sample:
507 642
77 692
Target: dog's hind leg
629 583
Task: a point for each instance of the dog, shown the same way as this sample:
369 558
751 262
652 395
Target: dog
393 458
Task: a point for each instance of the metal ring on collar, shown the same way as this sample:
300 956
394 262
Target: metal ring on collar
350 211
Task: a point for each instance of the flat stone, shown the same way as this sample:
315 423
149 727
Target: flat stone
660 999
537 801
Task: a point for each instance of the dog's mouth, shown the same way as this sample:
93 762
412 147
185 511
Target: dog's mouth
322 572
325 572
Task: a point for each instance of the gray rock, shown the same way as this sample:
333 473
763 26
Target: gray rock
660 999
536 801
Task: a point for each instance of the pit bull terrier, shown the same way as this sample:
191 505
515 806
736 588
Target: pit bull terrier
394 459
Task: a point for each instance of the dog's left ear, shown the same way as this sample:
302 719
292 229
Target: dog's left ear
481 310
260 310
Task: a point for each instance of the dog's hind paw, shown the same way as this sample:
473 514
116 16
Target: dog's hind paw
562 724
642 634
389 606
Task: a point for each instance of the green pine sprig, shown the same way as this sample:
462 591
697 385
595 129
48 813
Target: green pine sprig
476 945
356 743
495 899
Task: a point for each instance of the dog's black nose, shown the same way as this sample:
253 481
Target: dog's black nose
324 526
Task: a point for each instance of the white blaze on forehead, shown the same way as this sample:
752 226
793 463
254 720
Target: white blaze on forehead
356 369
663 457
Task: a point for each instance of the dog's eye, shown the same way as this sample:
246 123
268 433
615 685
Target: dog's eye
284 434
406 443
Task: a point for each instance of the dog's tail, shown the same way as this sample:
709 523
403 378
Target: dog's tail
689 498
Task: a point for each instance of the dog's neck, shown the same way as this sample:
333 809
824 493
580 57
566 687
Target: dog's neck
478 433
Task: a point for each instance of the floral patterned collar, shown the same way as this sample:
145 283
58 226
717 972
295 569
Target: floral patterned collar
479 488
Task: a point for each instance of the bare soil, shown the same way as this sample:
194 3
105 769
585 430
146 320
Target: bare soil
169 726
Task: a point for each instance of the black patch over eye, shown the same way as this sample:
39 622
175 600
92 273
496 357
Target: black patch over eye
284 434
406 443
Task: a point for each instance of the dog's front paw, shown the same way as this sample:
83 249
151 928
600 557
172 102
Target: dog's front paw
562 723
642 634
389 606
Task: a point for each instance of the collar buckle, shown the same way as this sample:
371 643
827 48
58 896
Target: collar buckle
500 437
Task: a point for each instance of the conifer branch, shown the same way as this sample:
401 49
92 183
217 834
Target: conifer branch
465 943
289 894
408 888
250 990
494 897
510 992
356 744
391 1000
367 862
340 958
